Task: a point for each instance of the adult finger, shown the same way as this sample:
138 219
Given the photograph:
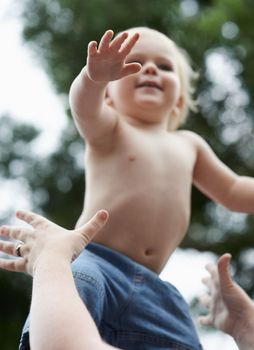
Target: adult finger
212 269
205 300
206 320
17 265
8 247
33 219
18 233
92 227
225 278
207 281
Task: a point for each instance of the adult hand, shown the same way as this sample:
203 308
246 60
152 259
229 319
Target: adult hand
229 306
45 237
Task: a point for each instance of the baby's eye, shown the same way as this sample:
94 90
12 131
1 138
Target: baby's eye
138 61
165 66
133 60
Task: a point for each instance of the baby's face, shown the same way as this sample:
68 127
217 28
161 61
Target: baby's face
153 92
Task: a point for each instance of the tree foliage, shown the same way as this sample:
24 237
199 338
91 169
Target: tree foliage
219 38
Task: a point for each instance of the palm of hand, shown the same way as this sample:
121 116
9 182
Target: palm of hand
220 315
229 303
45 237
107 62
48 237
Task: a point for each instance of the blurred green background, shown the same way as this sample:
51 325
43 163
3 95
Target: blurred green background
219 37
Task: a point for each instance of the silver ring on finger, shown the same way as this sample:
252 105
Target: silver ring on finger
17 249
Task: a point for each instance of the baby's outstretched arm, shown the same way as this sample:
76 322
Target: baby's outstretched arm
218 181
58 318
230 309
105 63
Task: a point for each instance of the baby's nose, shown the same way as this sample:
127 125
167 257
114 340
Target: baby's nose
150 68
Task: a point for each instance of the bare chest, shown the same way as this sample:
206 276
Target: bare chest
139 157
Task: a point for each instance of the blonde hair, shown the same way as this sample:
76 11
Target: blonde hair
187 78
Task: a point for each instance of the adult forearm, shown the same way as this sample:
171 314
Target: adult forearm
246 342
59 319
244 329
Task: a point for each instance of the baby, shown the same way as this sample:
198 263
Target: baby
136 162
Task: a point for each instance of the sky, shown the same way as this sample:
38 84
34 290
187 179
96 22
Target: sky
20 73
26 92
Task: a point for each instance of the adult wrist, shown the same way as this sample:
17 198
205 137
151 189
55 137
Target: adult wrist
244 330
49 258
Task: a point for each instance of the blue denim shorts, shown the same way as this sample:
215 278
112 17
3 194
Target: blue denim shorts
131 306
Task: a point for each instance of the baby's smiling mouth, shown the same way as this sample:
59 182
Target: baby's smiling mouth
149 83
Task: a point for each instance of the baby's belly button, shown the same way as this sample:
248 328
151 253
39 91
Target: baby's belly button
149 252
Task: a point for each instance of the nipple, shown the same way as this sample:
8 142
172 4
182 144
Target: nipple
131 158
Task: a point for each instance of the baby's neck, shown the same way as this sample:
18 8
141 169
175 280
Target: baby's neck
144 124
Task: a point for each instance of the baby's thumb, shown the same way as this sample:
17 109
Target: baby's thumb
93 226
131 68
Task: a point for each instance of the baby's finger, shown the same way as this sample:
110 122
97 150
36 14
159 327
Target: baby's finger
118 41
92 48
105 40
92 227
125 50
17 265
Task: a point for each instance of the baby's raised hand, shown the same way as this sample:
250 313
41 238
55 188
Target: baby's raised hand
106 61
44 238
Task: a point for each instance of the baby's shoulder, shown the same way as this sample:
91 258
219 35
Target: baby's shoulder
192 142
190 137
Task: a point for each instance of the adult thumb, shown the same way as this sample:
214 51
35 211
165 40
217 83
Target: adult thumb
93 226
225 278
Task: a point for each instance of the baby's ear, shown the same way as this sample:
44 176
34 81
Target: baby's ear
108 99
178 107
